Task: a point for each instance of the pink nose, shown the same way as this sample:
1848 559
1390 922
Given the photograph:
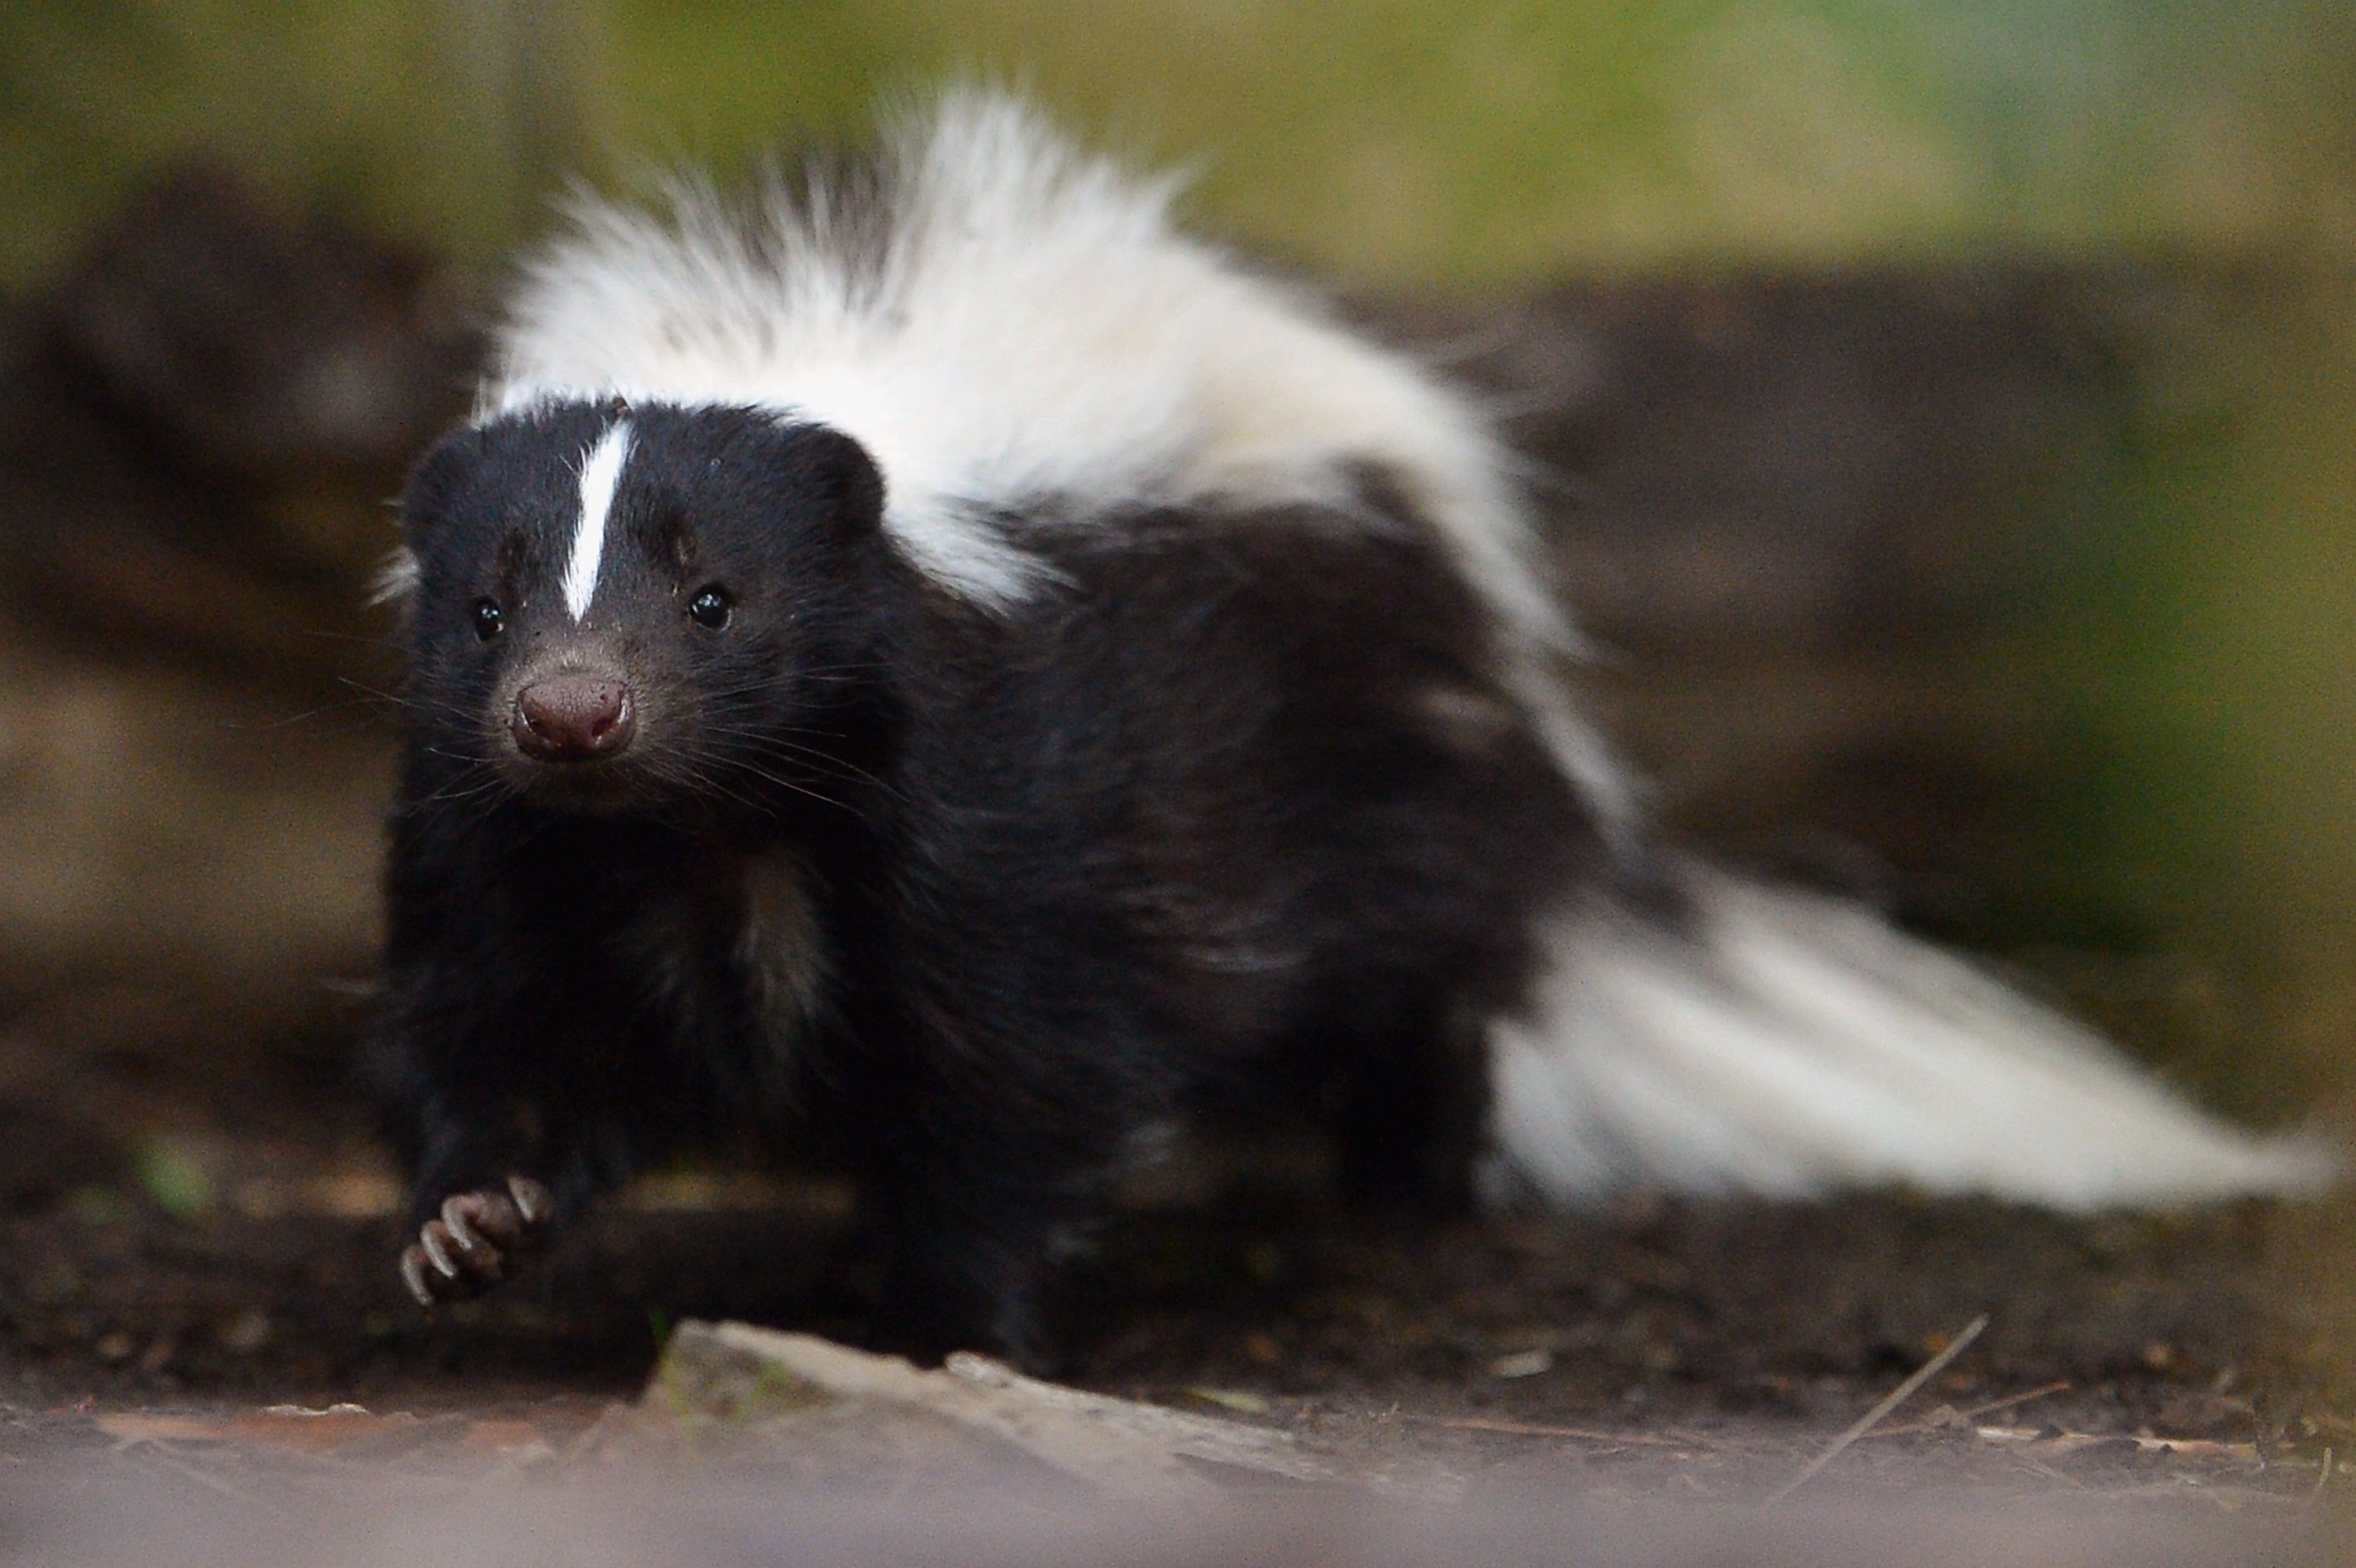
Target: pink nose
574 717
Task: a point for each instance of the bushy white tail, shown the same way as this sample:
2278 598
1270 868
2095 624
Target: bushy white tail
1784 1043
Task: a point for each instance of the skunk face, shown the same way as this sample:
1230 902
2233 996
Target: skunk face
621 608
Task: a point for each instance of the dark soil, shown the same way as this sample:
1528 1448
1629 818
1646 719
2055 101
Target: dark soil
1691 1349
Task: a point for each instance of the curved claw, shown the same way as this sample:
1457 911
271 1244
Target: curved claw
413 1275
532 1201
467 1248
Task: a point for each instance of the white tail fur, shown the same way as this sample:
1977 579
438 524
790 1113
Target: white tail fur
1788 1044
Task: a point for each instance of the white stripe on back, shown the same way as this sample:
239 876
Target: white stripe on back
1018 322
601 473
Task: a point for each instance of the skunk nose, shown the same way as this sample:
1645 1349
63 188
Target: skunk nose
574 717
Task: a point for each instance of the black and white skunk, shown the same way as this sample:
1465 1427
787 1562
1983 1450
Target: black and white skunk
928 663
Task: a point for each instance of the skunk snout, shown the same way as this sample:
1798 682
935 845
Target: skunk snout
575 718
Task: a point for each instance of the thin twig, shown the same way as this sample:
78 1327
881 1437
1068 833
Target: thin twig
1990 1408
1529 1429
1872 1418
162 1454
2038 1468
2322 1479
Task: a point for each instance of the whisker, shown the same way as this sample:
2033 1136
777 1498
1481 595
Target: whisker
394 644
842 768
695 780
712 759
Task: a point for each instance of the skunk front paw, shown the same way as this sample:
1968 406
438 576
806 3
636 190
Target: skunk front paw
470 1245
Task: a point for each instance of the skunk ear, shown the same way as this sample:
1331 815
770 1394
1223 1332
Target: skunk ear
427 495
840 469
424 502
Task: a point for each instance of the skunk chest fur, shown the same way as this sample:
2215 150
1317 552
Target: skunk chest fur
735 970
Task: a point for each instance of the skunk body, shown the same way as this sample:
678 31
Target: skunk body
931 665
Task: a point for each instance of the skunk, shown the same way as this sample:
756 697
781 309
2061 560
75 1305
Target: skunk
927 663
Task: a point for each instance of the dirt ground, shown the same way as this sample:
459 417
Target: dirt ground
2188 1375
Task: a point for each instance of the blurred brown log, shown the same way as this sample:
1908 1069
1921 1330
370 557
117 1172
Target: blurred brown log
199 429
1811 524
1864 460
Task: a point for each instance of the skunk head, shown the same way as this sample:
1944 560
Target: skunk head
621 608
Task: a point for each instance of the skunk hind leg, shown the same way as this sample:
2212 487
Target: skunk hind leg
1410 1112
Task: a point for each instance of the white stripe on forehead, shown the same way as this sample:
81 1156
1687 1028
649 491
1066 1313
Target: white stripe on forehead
601 473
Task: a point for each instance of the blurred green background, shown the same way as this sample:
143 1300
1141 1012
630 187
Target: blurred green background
2196 630
1392 141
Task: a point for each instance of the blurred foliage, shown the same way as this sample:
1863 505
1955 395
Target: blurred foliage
2214 656
176 1179
1392 141
1405 141
2200 635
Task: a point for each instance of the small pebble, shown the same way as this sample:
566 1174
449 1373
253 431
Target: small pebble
1231 1399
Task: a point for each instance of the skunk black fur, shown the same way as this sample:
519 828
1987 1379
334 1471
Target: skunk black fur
973 896
936 669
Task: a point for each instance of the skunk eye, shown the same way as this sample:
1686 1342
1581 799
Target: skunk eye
490 619
709 609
